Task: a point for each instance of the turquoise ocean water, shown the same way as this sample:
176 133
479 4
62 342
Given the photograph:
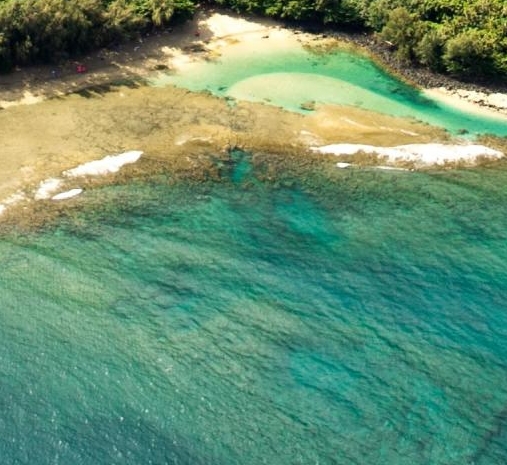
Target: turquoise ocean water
363 321
357 317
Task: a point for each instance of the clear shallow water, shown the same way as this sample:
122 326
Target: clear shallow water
359 320
290 76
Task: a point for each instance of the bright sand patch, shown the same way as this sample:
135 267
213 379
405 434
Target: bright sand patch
106 165
490 105
423 154
292 90
221 25
28 98
67 194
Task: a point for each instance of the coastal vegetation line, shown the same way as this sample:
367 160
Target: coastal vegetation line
465 39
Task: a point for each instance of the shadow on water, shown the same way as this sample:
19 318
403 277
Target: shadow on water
241 166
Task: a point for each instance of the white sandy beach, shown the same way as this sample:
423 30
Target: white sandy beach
493 105
206 35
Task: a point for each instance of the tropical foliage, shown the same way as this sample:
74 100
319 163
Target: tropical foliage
466 38
48 30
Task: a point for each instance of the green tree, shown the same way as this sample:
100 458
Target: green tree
430 48
403 30
468 54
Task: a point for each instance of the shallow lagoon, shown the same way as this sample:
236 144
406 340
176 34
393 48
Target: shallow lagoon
290 76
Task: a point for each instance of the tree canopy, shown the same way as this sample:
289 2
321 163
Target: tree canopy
35 31
465 38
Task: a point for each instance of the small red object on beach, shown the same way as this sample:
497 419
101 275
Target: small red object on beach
81 69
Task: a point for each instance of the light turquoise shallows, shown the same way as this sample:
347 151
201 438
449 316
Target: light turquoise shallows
289 77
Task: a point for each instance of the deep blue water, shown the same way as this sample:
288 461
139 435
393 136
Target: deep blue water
358 317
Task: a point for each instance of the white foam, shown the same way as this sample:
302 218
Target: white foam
47 188
107 165
12 199
427 154
390 168
67 194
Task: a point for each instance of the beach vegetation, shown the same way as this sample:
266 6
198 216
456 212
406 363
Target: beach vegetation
403 31
467 39
48 31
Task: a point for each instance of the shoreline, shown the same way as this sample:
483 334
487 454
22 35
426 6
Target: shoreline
133 62
415 75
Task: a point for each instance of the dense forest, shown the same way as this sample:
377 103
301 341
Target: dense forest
465 38
34 31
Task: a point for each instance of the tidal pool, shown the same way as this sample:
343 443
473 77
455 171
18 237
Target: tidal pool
289 75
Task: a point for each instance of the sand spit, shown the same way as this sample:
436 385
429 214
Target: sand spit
420 154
